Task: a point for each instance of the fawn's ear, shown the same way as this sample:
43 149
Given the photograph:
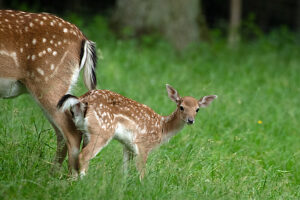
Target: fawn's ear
206 100
173 94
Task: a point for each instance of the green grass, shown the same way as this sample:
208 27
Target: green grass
225 155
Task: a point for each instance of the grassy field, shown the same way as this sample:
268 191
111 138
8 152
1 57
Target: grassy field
246 145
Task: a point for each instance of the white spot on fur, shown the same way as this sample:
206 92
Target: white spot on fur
65 30
49 49
54 53
44 40
52 67
143 131
34 41
40 71
13 55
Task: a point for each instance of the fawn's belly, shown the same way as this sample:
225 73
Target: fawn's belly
126 136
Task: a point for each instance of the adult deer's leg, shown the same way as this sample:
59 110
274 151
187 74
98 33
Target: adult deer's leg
68 137
73 140
61 148
47 90
72 143
71 137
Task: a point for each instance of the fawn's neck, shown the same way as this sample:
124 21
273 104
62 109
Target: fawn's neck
171 125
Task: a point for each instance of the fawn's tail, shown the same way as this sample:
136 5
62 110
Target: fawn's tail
77 108
67 101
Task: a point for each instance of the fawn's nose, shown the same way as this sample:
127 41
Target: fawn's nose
190 121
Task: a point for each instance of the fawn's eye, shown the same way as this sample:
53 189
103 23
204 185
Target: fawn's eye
181 108
197 110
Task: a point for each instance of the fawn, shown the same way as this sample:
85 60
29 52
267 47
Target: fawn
103 115
42 54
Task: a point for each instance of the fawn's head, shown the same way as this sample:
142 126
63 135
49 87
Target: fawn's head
188 107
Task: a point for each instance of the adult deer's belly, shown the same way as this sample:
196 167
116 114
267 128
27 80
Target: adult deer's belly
10 88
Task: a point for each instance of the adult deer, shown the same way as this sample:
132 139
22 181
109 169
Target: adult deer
42 54
103 115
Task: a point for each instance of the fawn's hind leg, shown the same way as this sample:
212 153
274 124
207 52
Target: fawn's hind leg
141 162
127 157
96 143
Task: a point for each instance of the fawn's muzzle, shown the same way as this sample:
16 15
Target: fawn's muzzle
190 121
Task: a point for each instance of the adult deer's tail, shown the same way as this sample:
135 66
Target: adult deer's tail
88 60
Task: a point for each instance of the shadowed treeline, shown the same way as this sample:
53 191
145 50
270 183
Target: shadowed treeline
180 22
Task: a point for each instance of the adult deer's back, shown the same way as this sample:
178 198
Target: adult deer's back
43 54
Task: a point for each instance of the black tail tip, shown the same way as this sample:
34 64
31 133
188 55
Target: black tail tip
94 79
94 58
